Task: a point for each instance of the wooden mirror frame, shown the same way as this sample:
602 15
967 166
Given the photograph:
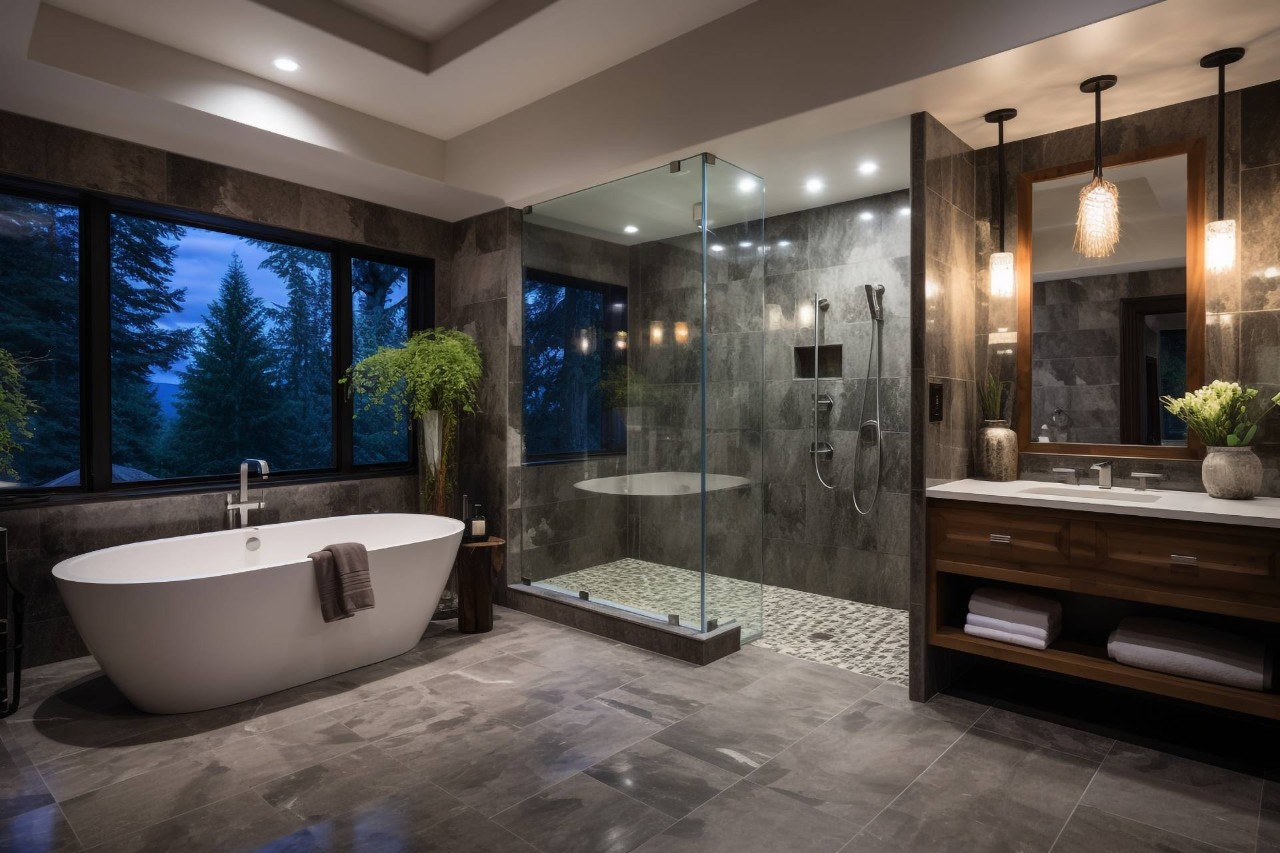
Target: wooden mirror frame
1194 150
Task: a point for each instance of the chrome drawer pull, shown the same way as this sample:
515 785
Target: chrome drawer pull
1183 560
1001 538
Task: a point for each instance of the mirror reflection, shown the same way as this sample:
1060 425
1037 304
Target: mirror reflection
1109 335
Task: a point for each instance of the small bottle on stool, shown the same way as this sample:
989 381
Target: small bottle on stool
475 530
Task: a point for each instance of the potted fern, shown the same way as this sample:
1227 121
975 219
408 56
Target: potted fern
996 456
16 409
1219 414
433 378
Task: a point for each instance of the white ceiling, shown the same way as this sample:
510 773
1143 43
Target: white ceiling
453 107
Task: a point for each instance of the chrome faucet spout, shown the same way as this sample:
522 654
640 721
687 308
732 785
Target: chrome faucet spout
1104 473
238 505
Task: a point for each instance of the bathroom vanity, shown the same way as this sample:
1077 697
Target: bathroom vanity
1106 554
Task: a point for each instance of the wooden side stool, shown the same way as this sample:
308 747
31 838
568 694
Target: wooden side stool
479 565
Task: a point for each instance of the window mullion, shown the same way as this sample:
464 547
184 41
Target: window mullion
342 356
96 340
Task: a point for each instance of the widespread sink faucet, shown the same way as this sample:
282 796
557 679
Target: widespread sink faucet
238 506
1104 473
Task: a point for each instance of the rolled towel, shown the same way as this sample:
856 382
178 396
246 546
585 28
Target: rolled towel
1009 637
342 580
1007 627
1011 605
1192 651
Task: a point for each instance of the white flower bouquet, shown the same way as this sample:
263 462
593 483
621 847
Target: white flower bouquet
1219 413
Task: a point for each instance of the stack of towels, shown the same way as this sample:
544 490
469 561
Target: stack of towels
1192 651
1010 616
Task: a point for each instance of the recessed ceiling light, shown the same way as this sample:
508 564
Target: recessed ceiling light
746 185
904 211
630 229
868 167
745 244
814 185
866 216
717 248
284 63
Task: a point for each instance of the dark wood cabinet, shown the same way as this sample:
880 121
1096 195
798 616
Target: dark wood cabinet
1225 572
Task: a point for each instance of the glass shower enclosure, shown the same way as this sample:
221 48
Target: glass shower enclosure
640 477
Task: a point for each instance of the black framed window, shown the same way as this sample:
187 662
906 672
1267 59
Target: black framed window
204 340
574 344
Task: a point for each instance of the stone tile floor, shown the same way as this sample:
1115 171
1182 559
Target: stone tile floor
861 638
536 737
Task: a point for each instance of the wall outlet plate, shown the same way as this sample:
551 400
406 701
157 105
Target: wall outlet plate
935 402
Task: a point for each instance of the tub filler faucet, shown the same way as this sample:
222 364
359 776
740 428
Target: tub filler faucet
238 506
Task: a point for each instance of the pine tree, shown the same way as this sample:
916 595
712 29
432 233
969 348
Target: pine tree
142 254
39 311
228 405
380 317
302 335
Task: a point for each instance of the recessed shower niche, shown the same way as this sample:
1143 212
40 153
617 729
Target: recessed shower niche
830 359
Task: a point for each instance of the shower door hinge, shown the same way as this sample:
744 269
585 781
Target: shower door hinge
708 159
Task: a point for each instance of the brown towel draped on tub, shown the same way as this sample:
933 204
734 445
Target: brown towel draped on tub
342 577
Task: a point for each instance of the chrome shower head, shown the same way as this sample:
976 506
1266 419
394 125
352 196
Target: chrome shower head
875 301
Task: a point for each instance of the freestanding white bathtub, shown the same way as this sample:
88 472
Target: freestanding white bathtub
202 621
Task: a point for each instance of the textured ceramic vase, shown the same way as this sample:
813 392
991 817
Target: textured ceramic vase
997 452
1232 473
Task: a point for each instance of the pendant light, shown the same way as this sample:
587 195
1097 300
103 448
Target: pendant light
1098 220
1220 235
1000 267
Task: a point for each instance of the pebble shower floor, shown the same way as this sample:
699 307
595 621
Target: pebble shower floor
861 638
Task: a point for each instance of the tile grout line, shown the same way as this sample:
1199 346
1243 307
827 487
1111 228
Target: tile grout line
1080 798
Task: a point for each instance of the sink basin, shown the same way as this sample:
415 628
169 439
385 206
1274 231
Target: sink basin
1092 494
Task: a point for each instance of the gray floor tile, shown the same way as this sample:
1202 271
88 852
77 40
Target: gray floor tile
669 697
21 788
390 822
671 781
1091 830
90 769
462 830
581 815
856 764
1179 795
1269 832
243 822
395 711
139 802
750 819
338 785
986 793
282 751
1044 733
42 830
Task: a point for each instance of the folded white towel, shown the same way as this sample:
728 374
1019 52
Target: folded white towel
1010 605
1007 637
1008 627
1193 651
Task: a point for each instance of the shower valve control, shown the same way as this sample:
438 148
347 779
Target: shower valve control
935 402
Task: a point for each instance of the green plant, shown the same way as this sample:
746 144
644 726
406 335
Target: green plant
1219 413
992 396
437 370
15 410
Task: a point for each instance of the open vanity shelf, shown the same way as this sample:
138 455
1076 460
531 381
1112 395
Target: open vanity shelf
1105 566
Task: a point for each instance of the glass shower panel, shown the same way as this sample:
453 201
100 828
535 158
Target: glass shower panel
733 382
610 473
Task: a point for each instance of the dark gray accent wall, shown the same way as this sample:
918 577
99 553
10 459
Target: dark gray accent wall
44 535
1243 306
943 296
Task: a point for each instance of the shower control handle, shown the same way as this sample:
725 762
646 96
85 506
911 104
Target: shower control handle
825 403
823 450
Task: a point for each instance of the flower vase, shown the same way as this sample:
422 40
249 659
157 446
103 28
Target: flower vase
430 434
997 452
1231 473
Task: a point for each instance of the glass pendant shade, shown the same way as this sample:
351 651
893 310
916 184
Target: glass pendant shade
1220 245
1098 220
1001 270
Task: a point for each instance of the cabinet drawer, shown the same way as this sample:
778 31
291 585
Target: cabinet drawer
1200 558
993 536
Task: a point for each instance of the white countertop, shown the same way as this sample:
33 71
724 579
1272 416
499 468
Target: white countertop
1153 503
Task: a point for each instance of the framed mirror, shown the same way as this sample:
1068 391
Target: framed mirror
1101 340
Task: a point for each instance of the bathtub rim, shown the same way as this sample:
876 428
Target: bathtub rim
61 569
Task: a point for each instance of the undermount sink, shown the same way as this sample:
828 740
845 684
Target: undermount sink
1093 494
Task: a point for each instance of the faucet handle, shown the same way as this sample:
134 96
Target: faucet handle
1071 472
1142 477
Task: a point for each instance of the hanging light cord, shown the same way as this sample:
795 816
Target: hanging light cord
1222 137
1000 176
1097 132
